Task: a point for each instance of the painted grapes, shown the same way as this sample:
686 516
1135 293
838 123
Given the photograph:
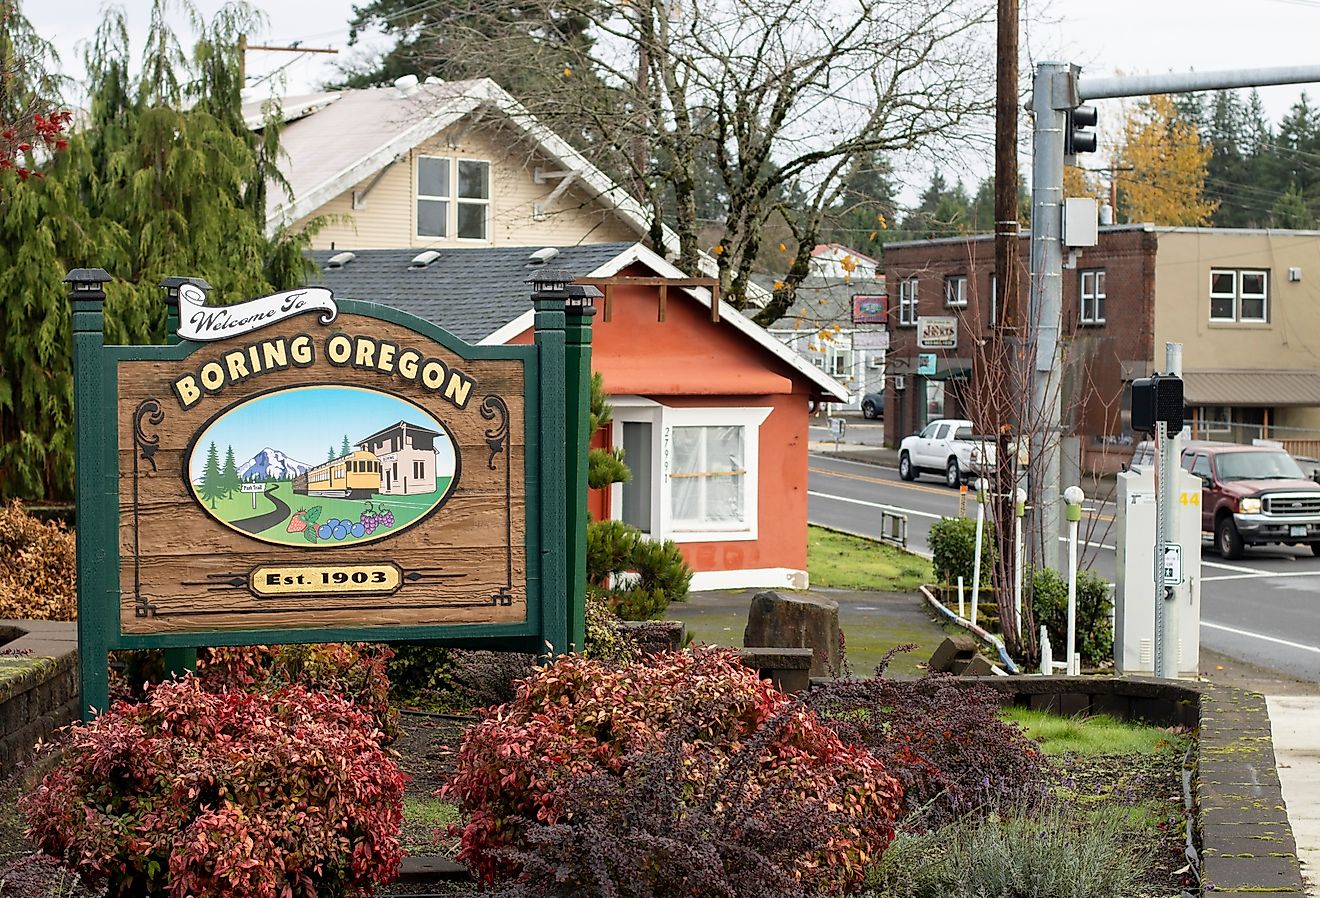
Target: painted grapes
307 522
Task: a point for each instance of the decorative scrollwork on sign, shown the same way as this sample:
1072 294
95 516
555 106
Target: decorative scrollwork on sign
144 448
497 438
146 443
497 435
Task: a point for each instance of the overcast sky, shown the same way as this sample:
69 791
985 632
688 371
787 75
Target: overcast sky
1104 36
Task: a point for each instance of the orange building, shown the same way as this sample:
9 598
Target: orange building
711 415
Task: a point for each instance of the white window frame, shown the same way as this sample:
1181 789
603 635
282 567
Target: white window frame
419 197
907 302
994 299
955 291
663 419
1090 301
1237 295
468 201
1214 423
453 200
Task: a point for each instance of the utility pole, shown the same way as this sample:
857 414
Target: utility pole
295 47
1004 355
1058 88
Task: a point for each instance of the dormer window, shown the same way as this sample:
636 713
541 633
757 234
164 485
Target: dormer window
443 212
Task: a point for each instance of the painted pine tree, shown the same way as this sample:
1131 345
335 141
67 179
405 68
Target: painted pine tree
229 479
345 448
212 486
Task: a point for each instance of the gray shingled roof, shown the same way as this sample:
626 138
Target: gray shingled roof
823 302
469 292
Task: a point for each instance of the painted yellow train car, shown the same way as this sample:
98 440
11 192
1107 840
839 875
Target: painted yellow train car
355 476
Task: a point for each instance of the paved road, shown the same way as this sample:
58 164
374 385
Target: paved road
261 522
1264 608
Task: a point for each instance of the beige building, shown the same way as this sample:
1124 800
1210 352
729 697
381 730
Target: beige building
407 456
442 165
1245 305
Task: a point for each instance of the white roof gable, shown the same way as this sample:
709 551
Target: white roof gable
333 141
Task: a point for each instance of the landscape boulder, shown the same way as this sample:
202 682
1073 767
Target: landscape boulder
801 621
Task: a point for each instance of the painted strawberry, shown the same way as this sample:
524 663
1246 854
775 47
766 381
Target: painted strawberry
297 523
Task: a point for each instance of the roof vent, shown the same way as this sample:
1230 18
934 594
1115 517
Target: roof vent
339 260
423 259
406 85
542 256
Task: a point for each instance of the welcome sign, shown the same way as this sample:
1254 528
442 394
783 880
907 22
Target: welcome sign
351 474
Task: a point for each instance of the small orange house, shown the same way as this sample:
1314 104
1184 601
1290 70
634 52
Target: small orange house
711 415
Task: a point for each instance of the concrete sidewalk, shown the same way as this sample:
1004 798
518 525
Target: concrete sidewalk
1295 723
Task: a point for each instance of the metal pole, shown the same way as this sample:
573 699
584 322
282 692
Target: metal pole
1020 511
1186 82
1074 668
1050 100
976 553
1169 447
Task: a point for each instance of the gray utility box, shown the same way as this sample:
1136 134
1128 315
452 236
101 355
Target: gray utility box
1134 599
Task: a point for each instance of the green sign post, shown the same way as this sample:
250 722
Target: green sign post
301 469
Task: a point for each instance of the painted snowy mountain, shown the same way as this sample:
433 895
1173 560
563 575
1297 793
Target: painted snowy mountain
270 463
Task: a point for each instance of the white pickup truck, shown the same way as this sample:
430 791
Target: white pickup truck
946 446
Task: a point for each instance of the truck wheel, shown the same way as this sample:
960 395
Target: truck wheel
952 475
1227 538
905 469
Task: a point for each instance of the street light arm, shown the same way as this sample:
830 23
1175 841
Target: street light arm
1089 88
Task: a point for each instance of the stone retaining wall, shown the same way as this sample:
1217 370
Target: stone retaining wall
38 685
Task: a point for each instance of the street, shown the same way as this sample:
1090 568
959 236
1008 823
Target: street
1264 608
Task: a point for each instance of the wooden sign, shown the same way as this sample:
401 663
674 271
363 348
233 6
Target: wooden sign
358 474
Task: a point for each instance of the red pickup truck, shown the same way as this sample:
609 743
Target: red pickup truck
1254 495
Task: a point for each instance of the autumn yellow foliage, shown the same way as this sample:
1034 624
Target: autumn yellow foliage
38 568
1162 167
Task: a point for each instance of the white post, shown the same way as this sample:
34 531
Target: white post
962 607
1021 511
976 563
1073 496
1046 653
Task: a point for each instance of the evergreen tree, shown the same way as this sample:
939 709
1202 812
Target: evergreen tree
1297 148
1291 211
212 486
229 474
164 178
867 210
331 456
345 448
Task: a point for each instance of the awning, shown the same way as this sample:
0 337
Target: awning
1251 388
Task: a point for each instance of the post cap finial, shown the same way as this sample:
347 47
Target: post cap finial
87 278
550 280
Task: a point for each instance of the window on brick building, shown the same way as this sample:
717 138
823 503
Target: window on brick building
955 291
907 302
1239 294
1092 297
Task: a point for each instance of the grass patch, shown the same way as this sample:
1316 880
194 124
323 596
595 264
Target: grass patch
1098 735
425 810
841 561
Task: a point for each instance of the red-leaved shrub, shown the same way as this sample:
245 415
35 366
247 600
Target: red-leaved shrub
942 739
581 728
357 671
236 794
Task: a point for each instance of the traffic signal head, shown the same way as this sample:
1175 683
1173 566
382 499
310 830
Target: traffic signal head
1077 138
1158 398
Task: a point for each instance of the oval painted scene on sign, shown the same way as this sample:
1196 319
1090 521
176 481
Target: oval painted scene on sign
322 466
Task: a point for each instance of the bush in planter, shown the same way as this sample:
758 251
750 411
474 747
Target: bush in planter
235 794
356 671
943 741
953 550
637 576
579 728
38 569
1095 631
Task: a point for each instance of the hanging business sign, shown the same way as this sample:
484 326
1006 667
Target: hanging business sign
352 474
937 333
870 308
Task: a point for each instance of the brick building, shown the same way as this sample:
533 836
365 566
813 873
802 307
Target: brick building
1238 300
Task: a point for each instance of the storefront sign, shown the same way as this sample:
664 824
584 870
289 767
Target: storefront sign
870 308
937 333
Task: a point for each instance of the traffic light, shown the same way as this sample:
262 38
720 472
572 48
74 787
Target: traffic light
1077 136
1158 398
